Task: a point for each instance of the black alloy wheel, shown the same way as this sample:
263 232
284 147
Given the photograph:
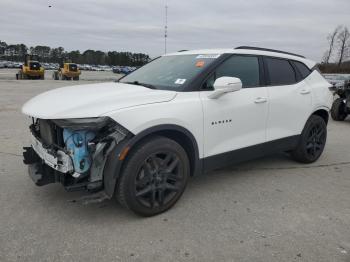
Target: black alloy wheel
316 140
154 176
311 141
159 179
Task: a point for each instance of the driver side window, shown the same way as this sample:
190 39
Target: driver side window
245 68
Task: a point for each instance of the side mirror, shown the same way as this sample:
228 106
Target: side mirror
224 85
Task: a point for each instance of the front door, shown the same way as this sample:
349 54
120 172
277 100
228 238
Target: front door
238 119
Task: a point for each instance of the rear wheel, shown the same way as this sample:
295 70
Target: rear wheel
19 75
312 140
55 75
76 78
338 111
154 177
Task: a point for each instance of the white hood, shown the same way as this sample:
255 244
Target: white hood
92 100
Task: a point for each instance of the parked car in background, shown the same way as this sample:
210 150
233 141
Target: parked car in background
338 80
341 87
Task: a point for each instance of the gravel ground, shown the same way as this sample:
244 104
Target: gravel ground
270 209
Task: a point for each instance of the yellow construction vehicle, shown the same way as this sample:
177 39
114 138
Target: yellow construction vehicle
67 71
31 69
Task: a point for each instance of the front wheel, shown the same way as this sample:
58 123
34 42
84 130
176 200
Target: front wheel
312 140
154 176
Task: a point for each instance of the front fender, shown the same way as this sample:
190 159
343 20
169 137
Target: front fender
114 164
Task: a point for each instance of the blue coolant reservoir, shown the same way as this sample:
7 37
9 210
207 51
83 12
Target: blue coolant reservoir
77 144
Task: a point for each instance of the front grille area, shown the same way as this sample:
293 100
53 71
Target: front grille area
49 133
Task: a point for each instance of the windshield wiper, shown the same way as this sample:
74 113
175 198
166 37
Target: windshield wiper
141 84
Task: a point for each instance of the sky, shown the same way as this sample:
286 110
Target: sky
299 26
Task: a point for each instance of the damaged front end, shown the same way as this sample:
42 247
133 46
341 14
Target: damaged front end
72 151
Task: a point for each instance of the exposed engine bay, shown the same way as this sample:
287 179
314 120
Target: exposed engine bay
72 151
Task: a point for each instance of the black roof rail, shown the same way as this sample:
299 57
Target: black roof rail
182 50
268 50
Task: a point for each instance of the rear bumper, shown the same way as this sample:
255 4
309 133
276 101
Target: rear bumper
71 74
34 73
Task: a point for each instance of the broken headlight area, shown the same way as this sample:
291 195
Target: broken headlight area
72 151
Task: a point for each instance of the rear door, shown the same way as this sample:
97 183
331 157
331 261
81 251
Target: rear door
289 98
238 119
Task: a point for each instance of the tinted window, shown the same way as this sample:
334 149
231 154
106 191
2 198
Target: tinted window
303 69
245 68
280 71
73 67
34 66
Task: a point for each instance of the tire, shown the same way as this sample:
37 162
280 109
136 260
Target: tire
154 176
312 140
338 111
76 78
42 77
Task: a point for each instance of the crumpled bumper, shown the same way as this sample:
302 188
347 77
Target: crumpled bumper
39 172
52 164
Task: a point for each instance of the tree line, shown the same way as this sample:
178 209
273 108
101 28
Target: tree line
17 52
338 52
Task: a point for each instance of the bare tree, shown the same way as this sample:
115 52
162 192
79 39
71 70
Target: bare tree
343 42
332 39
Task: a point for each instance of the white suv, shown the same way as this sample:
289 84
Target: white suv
185 113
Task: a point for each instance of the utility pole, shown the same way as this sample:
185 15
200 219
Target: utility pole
166 28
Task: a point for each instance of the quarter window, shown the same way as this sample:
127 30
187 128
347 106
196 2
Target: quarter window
303 69
280 71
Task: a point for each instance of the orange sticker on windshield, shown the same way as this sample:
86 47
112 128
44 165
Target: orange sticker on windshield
200 63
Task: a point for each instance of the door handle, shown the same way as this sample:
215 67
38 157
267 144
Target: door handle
305 91
260 100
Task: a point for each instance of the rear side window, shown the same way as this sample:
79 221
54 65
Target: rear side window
245 68
303 69
280 71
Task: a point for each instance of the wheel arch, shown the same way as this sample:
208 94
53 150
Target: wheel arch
177 133
322 112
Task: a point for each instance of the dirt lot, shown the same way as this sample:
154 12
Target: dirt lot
271 209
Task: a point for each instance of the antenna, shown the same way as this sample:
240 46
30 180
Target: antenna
166 27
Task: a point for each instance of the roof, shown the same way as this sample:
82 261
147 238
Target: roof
273 53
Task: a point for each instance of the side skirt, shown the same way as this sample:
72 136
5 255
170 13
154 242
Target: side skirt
240 155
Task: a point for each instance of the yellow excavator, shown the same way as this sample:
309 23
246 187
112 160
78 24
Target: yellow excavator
31 69
67 71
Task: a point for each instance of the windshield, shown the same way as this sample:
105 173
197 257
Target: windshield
170 72
34 66
73 67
